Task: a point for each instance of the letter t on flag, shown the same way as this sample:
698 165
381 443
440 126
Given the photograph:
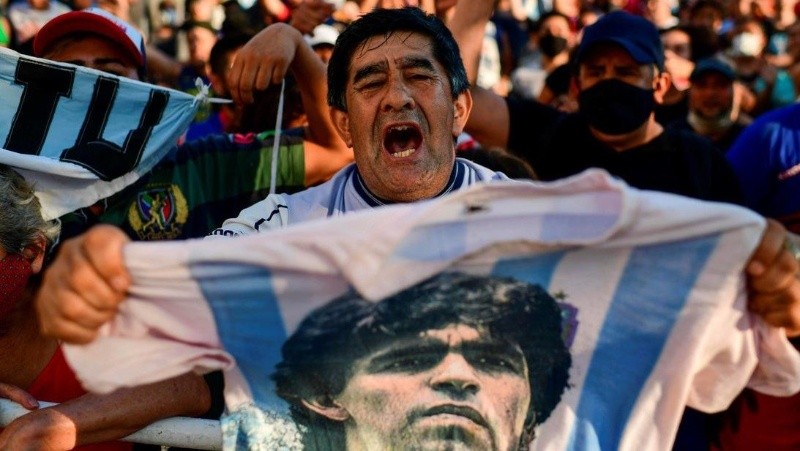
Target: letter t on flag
80 134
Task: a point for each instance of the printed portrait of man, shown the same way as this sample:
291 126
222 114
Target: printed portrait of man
455 362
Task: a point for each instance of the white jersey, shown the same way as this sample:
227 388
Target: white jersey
651 287
344 193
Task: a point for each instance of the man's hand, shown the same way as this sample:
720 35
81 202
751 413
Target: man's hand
679 68
264 60
772 281
309 14
18 395
84 285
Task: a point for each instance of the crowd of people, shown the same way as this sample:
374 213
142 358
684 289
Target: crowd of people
692 98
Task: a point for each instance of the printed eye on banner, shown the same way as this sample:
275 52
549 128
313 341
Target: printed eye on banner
83 134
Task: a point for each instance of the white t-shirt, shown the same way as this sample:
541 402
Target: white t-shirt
344 193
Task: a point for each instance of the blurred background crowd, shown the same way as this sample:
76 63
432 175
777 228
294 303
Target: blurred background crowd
751 49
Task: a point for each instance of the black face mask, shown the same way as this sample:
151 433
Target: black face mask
614 107
551 45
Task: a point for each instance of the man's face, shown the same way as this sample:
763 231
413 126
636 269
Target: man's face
711 95
219 80
200 41
607 61
97 53
452 388
402 118
557 26
677 42
39 5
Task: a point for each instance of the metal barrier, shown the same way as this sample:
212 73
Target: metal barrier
182 432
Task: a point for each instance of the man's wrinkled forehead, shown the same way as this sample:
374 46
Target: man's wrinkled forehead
450 336
75 39
406 62
95 51
418 45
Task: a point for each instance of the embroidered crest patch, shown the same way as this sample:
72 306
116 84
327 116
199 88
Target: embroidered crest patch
159 212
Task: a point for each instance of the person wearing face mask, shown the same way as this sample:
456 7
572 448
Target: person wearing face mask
621 78
33 367
553 40
713 105
771 87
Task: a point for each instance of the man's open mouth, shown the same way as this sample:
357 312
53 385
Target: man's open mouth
402 140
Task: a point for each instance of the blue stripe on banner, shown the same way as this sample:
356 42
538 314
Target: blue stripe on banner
248 321
651 293
584 226
537 269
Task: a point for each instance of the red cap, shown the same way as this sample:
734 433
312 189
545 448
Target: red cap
91 20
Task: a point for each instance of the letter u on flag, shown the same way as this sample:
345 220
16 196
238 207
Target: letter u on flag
80 134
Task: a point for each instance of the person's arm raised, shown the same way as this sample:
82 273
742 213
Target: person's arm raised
489 122
265 60
163 67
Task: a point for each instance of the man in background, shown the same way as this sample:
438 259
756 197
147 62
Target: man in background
713 105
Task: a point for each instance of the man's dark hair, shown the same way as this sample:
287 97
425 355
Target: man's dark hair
705 42
262 113
318 358
219 59
715 5
386 22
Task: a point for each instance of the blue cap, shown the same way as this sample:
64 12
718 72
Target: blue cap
637 35
713 65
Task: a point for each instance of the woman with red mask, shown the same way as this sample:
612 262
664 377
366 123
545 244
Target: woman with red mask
33 368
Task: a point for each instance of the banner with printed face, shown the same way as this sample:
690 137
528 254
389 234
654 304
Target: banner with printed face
579 315
80 134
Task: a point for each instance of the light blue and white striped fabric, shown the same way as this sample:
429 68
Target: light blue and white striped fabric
652 284
48 108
